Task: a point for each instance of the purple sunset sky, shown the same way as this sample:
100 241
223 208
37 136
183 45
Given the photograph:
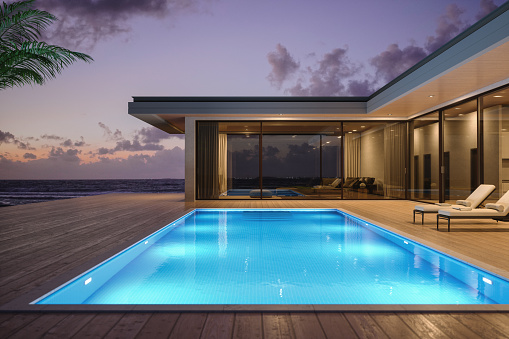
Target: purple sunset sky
76 126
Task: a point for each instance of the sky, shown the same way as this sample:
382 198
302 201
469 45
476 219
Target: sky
76 126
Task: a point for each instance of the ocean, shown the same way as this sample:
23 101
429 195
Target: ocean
18 192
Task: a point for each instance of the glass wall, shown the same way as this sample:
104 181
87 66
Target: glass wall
460 151
495 115
424 158
242 170
374 160
301 160
438 157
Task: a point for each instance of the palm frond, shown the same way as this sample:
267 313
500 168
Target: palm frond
34 62
20 23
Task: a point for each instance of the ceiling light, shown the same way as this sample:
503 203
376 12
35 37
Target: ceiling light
504 129
456 108
363 126
328 142
498 96
354 130
340 136
350 132
430 96
461 114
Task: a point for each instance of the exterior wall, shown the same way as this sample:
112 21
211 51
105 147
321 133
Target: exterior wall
190 190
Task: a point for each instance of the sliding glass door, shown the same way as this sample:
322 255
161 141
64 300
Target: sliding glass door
301 160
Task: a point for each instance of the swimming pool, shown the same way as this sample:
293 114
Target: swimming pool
262 256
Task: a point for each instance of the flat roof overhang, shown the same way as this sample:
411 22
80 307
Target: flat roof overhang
472 63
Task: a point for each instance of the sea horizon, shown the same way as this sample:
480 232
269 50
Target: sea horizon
26 191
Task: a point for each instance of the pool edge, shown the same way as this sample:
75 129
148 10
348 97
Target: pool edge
23 303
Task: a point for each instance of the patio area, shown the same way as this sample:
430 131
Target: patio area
40 242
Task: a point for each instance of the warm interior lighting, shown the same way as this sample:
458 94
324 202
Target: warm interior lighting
354 130
363 126
498 96
430 96
350 132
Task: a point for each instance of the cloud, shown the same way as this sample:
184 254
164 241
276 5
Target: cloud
394 61
487 6
154 135
329 77
360 88
85 22
29 156
162 164
70 143
9 138
283 66
51 137
6 137
117 135
70 155
336 75
449 25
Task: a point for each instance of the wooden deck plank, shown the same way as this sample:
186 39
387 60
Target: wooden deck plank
159 325
16 321
450 326
393 326
218 326
128 326
189 325
480 326
38 327
498 320
365 326
248 326
277 325
69 326
420 324
99 326
306 325
335 326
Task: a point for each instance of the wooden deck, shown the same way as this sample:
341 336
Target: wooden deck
40 242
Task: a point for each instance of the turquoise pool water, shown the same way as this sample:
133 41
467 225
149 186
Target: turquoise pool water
279 257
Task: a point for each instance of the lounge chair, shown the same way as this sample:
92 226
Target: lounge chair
498 211
333 184
475 199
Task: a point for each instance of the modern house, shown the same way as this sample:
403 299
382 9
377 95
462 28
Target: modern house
434 133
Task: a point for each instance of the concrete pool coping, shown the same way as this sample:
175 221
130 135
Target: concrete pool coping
22 303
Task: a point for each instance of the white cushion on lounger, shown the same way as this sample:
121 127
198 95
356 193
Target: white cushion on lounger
465 203
462 208
497 207
473 200
480 212
431 207
477 196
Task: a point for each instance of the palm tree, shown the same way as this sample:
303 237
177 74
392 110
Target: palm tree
23 59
